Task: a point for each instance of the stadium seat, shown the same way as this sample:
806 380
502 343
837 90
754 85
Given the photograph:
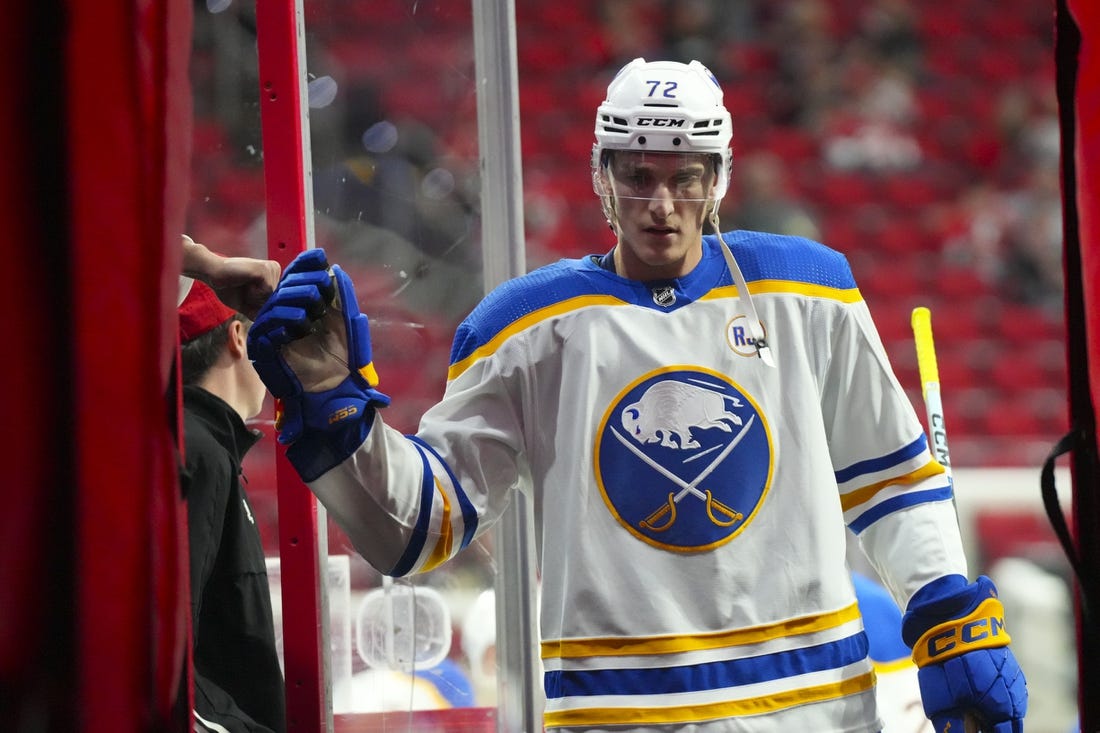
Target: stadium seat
972 50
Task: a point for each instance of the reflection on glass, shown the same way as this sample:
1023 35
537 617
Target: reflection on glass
395 187
395 191
932 167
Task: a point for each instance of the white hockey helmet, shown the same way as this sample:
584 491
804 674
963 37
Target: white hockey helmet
668 107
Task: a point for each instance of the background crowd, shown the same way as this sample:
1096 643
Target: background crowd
919 139
923 144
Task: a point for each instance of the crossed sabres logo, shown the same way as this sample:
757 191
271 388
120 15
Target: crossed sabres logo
683 459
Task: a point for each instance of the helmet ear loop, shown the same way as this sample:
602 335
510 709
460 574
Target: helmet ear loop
712 216
722 171
611 214
607 197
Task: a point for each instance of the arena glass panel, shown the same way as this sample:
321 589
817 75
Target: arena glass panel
395 188
393 142
911 227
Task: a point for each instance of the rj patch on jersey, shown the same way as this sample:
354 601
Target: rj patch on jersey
683 458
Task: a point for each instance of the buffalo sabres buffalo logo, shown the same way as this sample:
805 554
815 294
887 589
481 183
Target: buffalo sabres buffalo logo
683 459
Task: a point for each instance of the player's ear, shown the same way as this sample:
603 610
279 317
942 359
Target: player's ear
236 339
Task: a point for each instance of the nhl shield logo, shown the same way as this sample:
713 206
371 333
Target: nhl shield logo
683 459
664 296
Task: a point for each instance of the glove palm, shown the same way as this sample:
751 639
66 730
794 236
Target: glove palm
311 347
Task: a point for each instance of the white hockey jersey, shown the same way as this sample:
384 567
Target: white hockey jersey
690 500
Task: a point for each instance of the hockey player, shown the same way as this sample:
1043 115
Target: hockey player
695 418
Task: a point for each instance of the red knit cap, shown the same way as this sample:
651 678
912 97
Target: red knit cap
201 312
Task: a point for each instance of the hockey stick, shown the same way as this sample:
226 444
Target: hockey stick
930 385
929 371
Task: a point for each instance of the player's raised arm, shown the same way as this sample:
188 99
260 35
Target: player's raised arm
311 346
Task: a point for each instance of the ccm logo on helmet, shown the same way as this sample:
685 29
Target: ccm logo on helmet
658 122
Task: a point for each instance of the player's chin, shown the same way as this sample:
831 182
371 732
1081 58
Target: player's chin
656 245
661 236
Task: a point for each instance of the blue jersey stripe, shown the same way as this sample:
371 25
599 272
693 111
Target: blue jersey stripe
469 514
873 465
904 501
708 676
760 256
766 256
881 620
420 531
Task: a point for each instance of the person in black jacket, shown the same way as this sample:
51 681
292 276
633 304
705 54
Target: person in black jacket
238 682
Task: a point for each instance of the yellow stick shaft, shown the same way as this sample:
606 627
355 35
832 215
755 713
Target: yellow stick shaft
930 384
930 388
926 347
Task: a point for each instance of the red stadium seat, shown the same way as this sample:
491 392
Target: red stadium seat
1022 324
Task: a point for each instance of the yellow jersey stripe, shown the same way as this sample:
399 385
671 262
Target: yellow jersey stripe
766 287
626 647
443 544
758 287
859 496
520 324
708 711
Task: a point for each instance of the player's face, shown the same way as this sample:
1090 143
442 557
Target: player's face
661 203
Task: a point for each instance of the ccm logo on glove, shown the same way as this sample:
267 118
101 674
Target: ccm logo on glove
342 414
984 628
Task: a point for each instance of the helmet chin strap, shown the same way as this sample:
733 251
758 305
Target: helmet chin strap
762 349
612 216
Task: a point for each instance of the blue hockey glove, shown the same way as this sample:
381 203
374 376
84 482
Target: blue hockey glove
957 633
311 347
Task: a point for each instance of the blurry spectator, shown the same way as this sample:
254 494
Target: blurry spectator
805 87
388 201
698 29
887 94
874 145
367 178
897 689
876 135
1035 590
1042 139
973 230
1032 255
1012 238
224 69
764 202
1028 130
630 28
388 173
890 30
479 645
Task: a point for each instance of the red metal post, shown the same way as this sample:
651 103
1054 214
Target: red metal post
280 35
